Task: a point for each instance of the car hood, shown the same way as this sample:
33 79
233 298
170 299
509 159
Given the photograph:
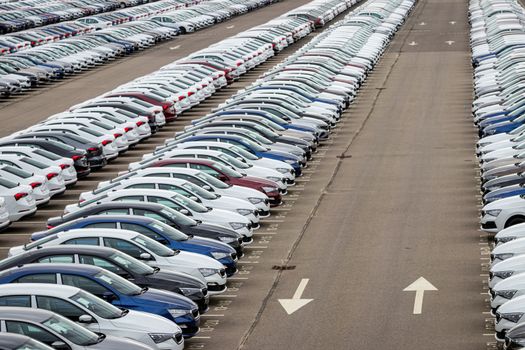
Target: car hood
514 305
506 203
145 322
111 342
195 261
516 263
183 280
211 243
516 246
171 300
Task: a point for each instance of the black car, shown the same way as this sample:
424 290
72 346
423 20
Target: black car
161 213
79 156
120 264
95 155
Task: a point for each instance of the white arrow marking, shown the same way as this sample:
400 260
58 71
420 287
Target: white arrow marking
422 24
419 286
450 42
413 43
294 304
230 27
174 47
452 22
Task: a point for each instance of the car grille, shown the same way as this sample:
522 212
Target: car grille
178 337
266 201
195 313
223 272
234 256
204 291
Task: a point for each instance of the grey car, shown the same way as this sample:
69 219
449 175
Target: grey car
57 331
11 341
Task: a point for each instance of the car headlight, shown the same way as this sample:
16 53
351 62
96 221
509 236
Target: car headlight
208 272
274 178
161 337
219 255
190 291
227 239
494 212
282 170
269 189
505 239
177 312
254 200
502 256
507 294
244 211
289 161
237 225
512 317
503 274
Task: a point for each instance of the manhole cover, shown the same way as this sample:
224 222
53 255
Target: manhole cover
283 267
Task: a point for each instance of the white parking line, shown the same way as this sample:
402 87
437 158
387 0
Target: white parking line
209 315
237 278
200 337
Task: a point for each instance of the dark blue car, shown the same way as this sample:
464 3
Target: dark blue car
112 288
504 192
156 230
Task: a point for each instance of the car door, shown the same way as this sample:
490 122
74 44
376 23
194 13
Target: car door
91 286
35 332
146 231
66 309
127 247
105 264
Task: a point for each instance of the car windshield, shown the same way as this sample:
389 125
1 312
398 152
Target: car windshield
96 305
233 161
244 153
17 172
120 284
213 181
169 231
227 170
188 203
71 331
199 191
153 246
132 264
178 217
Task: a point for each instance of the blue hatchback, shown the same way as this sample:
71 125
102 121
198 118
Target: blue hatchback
156 230
112 288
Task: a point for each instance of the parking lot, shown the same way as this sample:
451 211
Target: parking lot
391 197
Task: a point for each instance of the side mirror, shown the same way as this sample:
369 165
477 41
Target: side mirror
145 256
207 188
85 319
241 159
185 211
108 296
60 345
223 178
194 198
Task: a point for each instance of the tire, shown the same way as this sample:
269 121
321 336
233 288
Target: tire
514 221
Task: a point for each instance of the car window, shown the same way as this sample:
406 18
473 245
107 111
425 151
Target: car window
176 165
174 188
31 331
61 259
144 186
16 300
60 307
144 230
103 263
158 175
102 225
149 214
124 246
164 201
83 241
131 199
38 278
114 212
84 283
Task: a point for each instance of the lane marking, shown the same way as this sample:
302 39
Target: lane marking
294 304
230 27
175 48
419 286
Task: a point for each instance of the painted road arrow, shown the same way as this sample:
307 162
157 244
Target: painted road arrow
419 286
294 304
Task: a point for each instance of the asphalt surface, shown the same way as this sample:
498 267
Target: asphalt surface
390 198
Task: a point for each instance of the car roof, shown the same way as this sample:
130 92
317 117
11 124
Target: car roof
38 289
55 267
66 249
111 218
26 314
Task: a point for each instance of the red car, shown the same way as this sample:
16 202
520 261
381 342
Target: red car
168 107
225 174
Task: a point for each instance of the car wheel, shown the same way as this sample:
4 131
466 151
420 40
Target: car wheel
514 221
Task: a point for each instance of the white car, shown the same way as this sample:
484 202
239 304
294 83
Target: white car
4 214
507 289
184 205
66 164
184 188
53 173
509 315
206 269
507 250
205 181
37 182
510 233
503 213
97 315
505 269
18 200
